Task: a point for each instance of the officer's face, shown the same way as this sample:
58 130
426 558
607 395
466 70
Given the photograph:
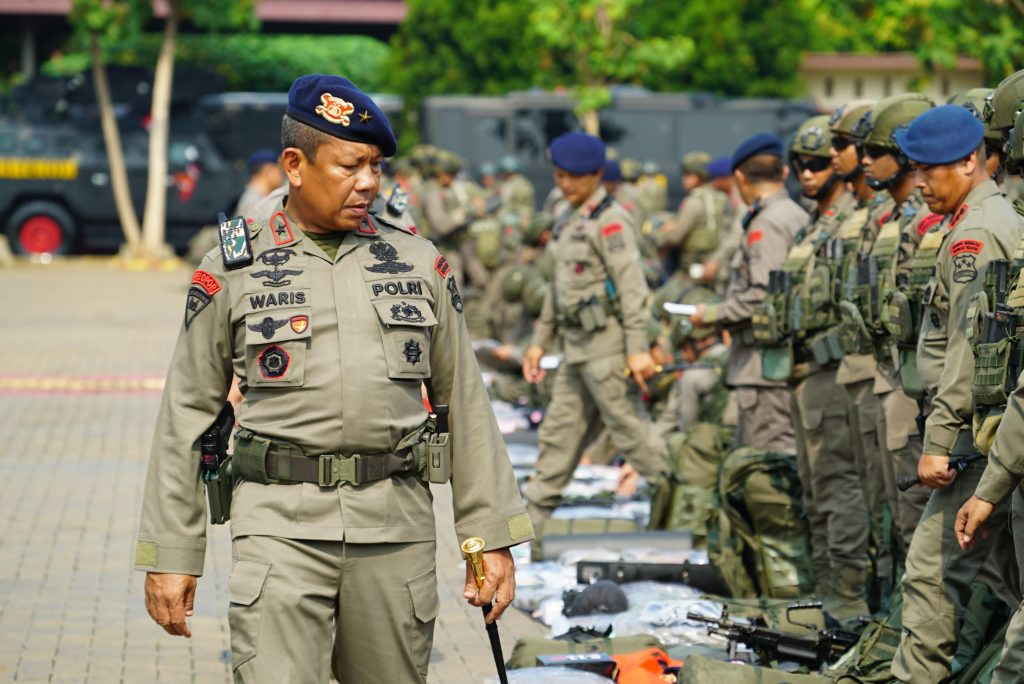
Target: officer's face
944 186
879 163
844 155
576 187
691 181
813 172
335 191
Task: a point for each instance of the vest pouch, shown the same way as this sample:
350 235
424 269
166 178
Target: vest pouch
990 368
898 317
985 427
910 379
777 362
591 315
825 348
765 324
852 333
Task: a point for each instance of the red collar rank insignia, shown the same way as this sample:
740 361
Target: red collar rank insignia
235 243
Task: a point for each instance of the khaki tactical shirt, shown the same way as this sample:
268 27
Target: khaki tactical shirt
983 228
774 222
595 256
697 228
332 355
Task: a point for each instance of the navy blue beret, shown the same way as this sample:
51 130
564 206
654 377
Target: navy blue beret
336 106
578 153
762 143
612 171
260 157
941 135
720 167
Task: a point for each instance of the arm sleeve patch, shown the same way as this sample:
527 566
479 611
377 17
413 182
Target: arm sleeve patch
611 229
966 246
442 267
207 282
754 237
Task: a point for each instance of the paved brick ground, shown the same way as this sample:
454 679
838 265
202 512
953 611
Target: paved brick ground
84 350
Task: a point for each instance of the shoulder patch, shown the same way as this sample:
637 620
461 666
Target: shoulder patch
754 237
207 282
281 229
928 222
442 267
611 229
966 247
958 216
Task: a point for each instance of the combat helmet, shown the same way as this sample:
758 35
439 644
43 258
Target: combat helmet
630 169
1004 103
513 283
843 125
447 162
510 164
540 224
683 330
814 139
879 124
696 163
1015 147
535 288
974 100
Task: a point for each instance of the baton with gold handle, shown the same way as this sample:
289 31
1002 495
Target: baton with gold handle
473 551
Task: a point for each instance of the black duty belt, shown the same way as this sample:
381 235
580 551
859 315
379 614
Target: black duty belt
265 460
964 445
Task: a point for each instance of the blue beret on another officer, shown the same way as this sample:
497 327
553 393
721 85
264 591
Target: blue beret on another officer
261 157
720 167
335 105
762 143
941 135
612 171
578 153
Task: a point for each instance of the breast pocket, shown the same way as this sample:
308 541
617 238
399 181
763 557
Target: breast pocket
276 342
405 332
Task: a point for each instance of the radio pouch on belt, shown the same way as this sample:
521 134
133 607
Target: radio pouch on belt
439 449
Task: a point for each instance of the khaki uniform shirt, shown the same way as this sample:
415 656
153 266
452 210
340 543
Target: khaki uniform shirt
517 195
595 249
1005 467
983 228
332 355
767 240
700 219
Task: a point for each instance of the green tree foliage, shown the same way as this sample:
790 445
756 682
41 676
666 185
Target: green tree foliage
251 61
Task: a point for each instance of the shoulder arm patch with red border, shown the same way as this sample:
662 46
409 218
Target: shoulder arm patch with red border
442 267
611 229
207 282
966 246
754 237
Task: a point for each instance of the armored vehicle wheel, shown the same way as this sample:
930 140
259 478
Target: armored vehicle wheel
41 226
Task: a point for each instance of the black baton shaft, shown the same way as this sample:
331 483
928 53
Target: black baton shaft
492 634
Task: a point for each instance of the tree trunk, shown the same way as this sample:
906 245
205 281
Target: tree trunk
115 152
154 218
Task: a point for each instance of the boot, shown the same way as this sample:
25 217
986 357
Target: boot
848 595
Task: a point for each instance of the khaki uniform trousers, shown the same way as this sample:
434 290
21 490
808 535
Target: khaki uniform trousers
302 610
1011 662
901 445
586 394
764 419
865 416
833 494
937 584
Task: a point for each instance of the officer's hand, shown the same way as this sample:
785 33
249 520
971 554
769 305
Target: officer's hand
169 600
641 366
531 364
710 271
933 471
698 316
499 584
972 516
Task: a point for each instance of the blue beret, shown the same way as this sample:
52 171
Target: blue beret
260 157
612 171
337 107
720 167
578 153
762 143
941 135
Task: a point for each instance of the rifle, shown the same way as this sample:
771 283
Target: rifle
214 464
703 577
818 648
958 464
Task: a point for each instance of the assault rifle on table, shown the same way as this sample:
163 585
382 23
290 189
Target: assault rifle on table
817 648
958 464
700 576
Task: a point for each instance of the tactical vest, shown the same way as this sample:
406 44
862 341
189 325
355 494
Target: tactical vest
903 308
704 239
855 233
994 318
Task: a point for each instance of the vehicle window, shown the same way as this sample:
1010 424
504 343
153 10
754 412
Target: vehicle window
488 136
180 153
536 128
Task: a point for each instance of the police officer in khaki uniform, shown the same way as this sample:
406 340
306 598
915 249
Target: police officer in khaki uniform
945 145
515 190
333 319
833 494
769 228
597 309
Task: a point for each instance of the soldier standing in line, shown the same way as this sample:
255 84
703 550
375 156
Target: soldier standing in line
769 228
807 356
334 319
516 191
597 308
945 145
